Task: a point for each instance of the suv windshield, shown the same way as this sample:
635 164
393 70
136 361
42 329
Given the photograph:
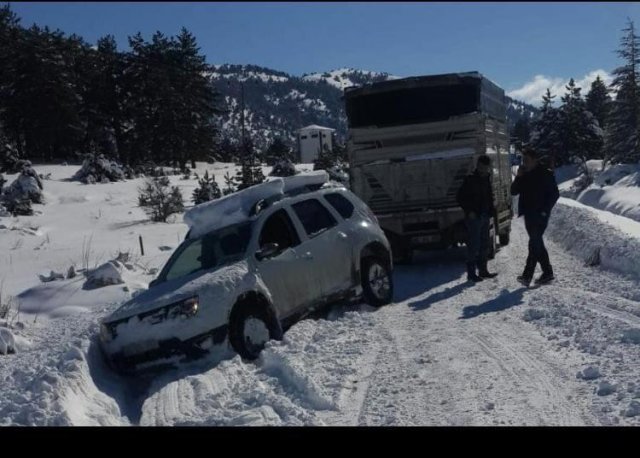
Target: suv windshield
211 250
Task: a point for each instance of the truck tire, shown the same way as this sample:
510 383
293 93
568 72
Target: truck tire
403 257
504 239
401 251
377 281
251 325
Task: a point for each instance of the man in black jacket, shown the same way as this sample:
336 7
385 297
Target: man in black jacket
476 199
538 190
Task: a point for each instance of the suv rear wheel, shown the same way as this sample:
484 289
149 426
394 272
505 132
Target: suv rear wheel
377 281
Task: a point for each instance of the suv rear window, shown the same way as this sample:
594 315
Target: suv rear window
341 204
315 218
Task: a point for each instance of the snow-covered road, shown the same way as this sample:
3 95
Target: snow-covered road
446 353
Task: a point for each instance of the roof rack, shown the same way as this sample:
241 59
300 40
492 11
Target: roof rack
263 204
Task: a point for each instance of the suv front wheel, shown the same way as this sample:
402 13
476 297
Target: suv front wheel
377 281
251 325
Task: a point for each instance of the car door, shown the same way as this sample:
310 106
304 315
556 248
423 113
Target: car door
285 273
325 246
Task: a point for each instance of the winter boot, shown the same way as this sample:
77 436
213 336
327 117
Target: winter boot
483 272
545 278
524 281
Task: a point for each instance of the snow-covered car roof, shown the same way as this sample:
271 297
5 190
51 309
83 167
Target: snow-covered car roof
238 207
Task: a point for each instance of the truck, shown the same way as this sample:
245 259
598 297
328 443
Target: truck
412 141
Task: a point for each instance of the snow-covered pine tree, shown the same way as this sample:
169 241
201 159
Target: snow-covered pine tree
207 189
250 172
582 137
277 151
159 199
9 158
521 133
283 168
325 160
25 190
623 139
545 136
339 149
599 101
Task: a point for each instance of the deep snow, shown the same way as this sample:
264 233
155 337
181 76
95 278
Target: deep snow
445 353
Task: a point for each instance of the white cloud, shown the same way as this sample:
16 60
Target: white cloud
532 91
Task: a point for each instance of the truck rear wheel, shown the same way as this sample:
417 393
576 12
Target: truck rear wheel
400 250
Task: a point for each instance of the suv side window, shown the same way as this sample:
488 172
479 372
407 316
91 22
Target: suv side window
341 204
279 229
315 218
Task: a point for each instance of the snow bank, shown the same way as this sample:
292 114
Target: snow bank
295 382
596 238
26 187
61 392
109 273
64 298
616 190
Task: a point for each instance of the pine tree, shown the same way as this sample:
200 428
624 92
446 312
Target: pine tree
546 137
159 199
521 133
277 151
283 168
207 190
622 127
39 95
339 150
250 172
229 183
599 101
103 99
325 160
225 150
582 137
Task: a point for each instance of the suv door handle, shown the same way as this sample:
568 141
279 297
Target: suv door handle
342 234
308 256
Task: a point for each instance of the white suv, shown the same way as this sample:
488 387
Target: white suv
253 263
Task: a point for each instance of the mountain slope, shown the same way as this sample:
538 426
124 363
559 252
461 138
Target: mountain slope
276 103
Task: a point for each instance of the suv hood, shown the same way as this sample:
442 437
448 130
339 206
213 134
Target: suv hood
222 285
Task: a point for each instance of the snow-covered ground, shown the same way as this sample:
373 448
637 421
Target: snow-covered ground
445 353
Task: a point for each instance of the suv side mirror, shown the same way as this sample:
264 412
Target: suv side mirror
267 251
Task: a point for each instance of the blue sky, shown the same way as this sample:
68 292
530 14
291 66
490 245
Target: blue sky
524 47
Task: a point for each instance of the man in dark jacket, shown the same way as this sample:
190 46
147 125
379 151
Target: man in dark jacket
476 199
538 190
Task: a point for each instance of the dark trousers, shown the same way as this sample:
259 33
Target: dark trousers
536 225
477 241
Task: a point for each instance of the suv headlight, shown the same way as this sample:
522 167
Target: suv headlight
184 309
